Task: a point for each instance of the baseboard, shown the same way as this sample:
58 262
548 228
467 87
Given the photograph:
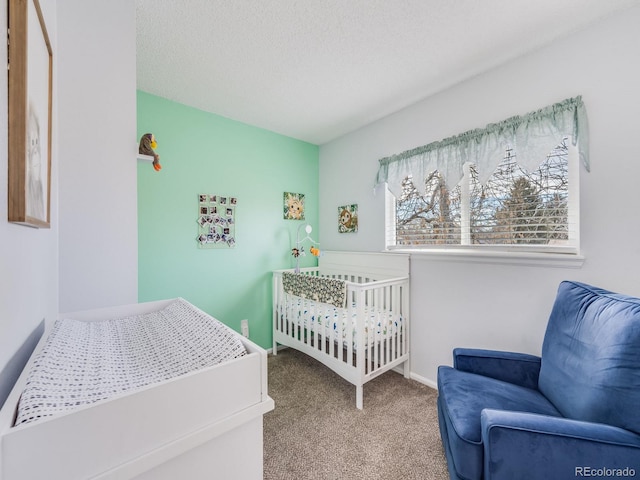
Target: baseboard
423 380
417 378
280 347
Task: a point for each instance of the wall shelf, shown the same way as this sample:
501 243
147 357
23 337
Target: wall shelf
145 158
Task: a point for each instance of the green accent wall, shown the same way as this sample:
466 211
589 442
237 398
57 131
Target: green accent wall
205 153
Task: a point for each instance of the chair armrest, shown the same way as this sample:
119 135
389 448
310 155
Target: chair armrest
518 368
539 447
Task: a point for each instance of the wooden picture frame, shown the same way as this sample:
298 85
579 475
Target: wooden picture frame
30 92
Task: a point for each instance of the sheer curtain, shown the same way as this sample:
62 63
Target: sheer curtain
532 136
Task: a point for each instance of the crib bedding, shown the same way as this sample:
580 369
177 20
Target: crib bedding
383 322
84 362
320 289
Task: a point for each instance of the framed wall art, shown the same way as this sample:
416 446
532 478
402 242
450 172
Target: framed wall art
293 206
30 87
348 218
216 220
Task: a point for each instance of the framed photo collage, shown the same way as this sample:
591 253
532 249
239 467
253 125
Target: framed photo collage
216 221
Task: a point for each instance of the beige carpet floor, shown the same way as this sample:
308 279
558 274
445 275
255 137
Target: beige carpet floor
316 431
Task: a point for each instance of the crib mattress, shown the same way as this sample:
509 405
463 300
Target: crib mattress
382 324
84 362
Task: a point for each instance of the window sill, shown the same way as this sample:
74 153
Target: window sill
529 259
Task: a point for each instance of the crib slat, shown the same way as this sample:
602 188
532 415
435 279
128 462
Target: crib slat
370 332
293 318
297 322
318 326
360 357
287 308
403 308
377 320
405 326
386 330
335 342
392 329
388 325
351 329
312 325
395 295
276 314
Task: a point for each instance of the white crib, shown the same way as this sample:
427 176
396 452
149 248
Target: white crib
362 339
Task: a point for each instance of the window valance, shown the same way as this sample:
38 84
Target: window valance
532 137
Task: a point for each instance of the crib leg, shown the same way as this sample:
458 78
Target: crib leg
406 369
359 396
275 348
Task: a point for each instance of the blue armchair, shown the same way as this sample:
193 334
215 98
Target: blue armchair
573 412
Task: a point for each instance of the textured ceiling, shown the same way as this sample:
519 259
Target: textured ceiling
317 69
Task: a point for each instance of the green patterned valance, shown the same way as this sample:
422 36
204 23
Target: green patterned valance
532 137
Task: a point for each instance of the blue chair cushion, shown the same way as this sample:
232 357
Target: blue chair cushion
463 396
590 367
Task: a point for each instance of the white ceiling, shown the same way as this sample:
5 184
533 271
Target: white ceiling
317 69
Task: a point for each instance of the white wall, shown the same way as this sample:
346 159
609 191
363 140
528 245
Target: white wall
98 145
28 256
507 306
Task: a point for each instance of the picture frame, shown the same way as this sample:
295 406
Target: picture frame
216 221
30 120
294 204
348 218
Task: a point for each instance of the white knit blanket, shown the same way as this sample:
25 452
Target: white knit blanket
84 362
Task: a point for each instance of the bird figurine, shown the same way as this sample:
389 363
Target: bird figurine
147 145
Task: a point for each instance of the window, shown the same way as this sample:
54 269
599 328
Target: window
514 209
507 190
